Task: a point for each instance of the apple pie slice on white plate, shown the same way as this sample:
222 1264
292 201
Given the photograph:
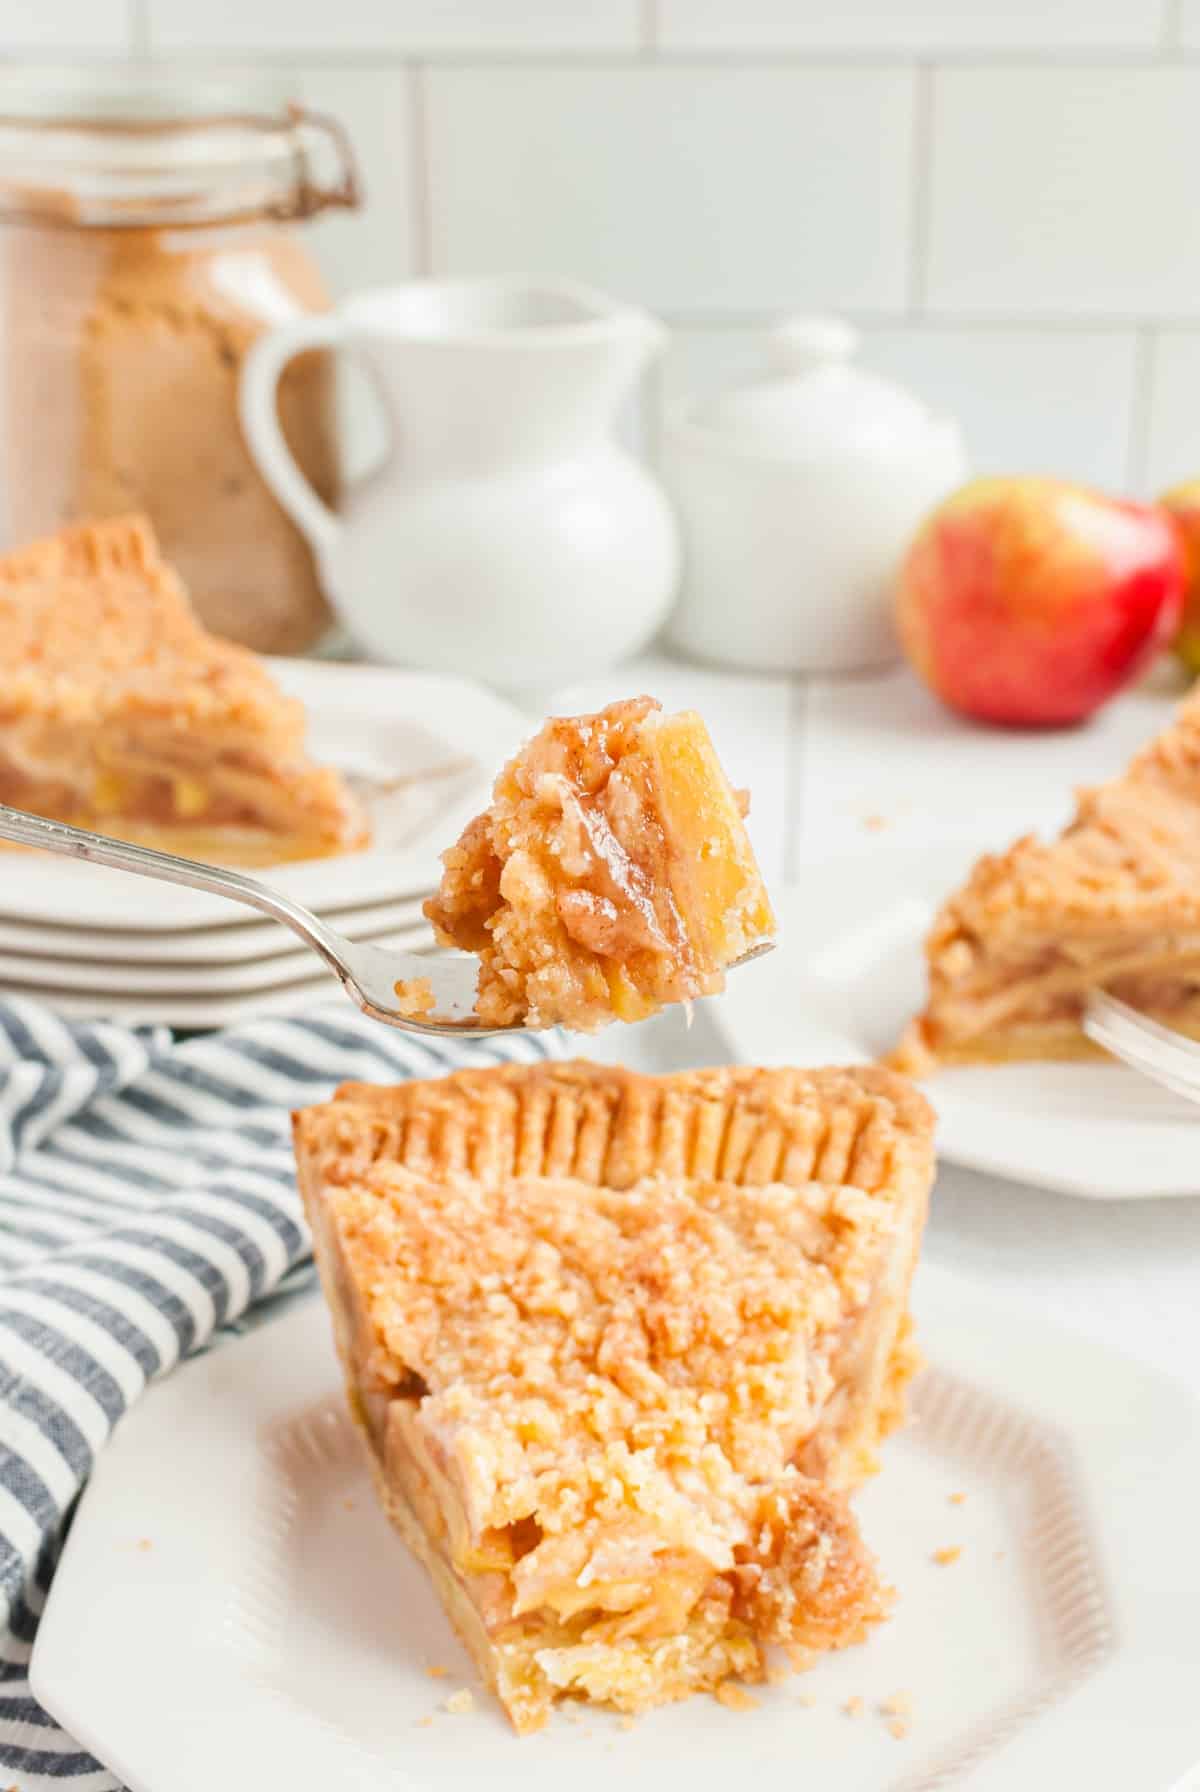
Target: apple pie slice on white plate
119 712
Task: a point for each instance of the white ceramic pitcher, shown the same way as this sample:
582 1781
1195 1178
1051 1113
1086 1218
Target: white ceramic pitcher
506 536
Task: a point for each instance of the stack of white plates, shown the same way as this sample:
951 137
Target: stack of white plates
421 750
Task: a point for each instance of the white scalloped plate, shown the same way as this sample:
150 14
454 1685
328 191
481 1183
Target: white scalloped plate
848 973
232 1610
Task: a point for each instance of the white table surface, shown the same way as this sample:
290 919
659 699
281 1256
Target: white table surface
827 763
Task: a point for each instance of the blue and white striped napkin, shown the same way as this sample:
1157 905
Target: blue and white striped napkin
147 1201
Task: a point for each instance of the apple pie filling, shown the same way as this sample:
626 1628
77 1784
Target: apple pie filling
612 874
1012 1005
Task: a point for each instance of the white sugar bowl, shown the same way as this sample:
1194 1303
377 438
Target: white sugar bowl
797 495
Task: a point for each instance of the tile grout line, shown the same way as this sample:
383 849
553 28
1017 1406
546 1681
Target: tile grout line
422 197
139 29
1172 27
920 188
760 59
1138 460
793 780
1025 323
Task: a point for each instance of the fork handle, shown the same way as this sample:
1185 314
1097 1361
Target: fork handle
122 855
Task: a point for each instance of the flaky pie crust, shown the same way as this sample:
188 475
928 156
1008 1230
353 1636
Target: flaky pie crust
619 1345
863 1126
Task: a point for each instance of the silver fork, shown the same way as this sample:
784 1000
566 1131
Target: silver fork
368 974
1153 1050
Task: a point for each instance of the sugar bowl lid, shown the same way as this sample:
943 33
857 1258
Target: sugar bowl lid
814 402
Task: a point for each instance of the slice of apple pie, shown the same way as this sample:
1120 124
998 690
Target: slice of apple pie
612 873
619 1347
119 712
1113 904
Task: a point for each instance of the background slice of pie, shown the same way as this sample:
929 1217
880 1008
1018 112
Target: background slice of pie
119 712
1113 903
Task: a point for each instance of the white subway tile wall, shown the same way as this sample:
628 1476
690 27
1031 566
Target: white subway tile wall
407 26
1189 24
66 25
384 245
1064 191
1172 451
910 26
695 188
1029 400
999 192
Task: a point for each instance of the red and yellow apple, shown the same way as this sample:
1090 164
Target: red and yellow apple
1182 504
1031 601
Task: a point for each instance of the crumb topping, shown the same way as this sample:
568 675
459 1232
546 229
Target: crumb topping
599 1354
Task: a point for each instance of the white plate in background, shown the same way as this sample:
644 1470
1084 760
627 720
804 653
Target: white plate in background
847 974
232 1608
103 977
183 981
43 951
445 737
205 1007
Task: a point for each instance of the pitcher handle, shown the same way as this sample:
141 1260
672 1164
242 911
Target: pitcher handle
261 372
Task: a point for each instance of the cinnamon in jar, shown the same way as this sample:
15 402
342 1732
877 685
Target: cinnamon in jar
148 237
